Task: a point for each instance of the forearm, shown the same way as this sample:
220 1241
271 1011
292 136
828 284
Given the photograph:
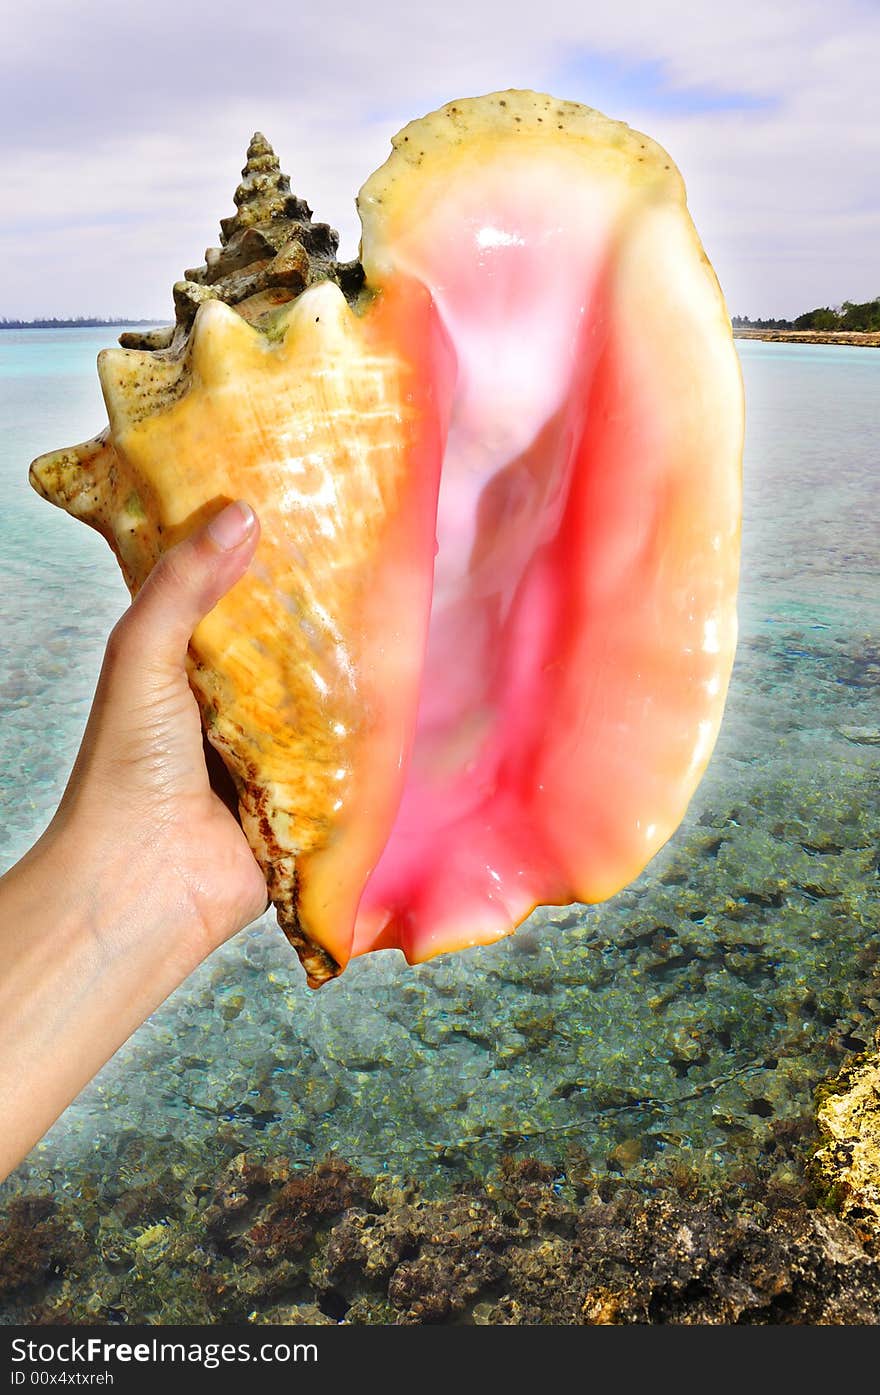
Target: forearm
143 870
89 947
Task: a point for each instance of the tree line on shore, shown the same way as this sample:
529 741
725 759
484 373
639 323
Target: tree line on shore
77 322
851 316
861 317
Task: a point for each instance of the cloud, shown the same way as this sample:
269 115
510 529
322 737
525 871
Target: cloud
126 126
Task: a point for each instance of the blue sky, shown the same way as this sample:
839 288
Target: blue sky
612 80
126 127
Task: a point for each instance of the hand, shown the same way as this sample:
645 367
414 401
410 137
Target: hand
141 777
143 870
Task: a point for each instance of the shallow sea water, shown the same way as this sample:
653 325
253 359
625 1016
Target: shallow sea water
685 1019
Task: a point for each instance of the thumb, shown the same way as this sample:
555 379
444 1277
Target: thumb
188 581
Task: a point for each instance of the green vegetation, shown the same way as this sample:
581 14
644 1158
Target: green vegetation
823 318
79 322
864 318
744 322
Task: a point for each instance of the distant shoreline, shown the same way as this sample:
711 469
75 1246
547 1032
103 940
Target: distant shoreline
854 338
857 338
80 323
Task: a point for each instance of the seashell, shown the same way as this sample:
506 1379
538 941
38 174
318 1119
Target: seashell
480 660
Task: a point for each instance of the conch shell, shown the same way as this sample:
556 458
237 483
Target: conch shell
480 659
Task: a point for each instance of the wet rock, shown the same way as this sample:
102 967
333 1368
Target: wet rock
861 736
288 1223
237 1191
294 1315
847 1164
625 1156
536 1243
38 1244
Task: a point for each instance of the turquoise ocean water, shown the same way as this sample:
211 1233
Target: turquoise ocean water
686 1019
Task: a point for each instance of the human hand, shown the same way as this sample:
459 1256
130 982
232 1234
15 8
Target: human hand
140 780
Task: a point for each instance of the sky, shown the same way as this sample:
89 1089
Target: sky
126 125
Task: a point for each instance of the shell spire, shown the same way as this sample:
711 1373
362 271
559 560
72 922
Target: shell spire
270 252
264 193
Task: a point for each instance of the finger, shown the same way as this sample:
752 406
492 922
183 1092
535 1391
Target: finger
188 582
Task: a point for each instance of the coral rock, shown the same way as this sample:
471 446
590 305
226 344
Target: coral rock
847 1164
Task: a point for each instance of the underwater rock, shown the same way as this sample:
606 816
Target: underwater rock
530 1244
847 1163
480 660
36 1245
861 736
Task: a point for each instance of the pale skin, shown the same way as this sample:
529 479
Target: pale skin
142 872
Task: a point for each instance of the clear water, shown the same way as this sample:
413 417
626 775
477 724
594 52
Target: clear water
684 1020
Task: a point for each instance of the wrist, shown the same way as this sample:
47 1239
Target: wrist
88 950
92 887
